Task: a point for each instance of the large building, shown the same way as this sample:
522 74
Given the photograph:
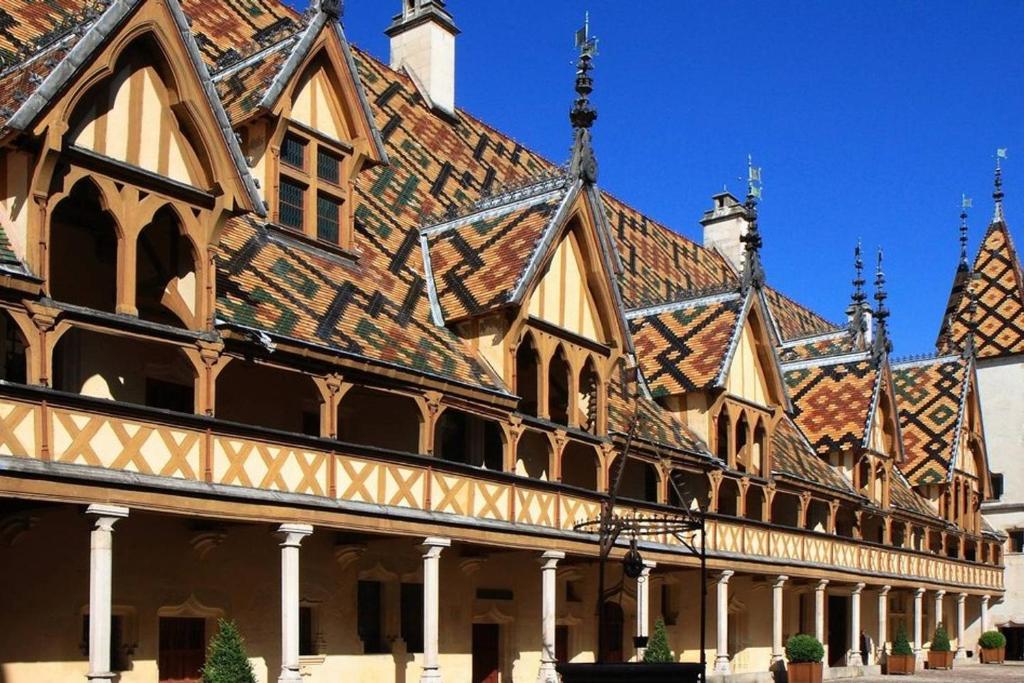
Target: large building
289 338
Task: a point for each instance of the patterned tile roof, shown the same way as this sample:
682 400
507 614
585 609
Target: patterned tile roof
999 286
832 402
929 396
683 349
794 457
830 344
25 27
793 320
478 260
226 30
241 87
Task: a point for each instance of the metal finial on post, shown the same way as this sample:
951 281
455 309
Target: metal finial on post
882 343
858 300
965 203
997 194
582 115
753 270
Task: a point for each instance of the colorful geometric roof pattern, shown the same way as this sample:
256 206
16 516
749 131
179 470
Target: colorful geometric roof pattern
478 260
999 288
227 30
930 396
241 87
794 321
27 26
683 348
794 457
831 344
832 402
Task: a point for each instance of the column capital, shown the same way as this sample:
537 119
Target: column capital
724 577
779 580
822 585
884 590
293 534
106 515
550 559
961 598
919 592
940 594
649 565
433 545
858 588
985 598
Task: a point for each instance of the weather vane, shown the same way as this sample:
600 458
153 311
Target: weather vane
753 178
584 43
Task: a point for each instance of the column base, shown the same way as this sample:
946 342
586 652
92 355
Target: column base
854 659
289 676
430 676
547 673
107 676
722 665
961 654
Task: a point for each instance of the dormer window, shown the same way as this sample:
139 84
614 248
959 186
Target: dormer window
311 196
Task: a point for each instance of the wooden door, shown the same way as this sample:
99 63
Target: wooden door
182 649
486 653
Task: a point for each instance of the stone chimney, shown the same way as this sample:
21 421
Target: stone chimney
423 41
723 225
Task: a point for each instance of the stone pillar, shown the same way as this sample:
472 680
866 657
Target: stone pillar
939 595
778 653
293 535
722 665
101 564
961 651
548 609
432 548
819 609
918 642
984 612
853 657
643 604
883 621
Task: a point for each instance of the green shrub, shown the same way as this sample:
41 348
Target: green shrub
803 648
226 661
940 642
657 651
992 640
901 646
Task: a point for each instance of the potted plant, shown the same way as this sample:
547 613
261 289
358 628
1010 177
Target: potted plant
226 661
993 647
657 651
804 654
901 660
940 655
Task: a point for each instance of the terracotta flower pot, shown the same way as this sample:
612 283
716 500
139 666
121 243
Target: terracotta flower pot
901 665
804 672
993 655
940 660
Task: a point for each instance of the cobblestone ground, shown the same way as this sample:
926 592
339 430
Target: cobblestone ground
968 673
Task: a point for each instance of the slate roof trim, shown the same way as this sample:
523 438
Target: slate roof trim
544 245
730 295
734 340
960 413
826 360
801 341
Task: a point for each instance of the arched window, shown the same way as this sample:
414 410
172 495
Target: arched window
266 396
527 379
754 504
722 429
786 509
817 516
580 465
728 497
694 488
83 250
589 386
13 357
533 456
382 419
864 475
469 439
166 276
845 521
742 439
759 449
559 375
639 479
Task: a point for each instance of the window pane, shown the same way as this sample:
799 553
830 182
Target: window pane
293 152
328 214
292 197
328 167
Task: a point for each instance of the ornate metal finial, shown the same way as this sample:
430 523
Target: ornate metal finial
972 318
965 203
753 270
997 194
882 343
333 8
858 301
582 115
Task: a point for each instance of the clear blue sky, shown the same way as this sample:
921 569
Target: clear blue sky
869 119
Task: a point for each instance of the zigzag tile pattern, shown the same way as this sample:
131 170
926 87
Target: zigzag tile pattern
226 30
683 349
831 403
929 397
794 457
241 89
478 263
793 320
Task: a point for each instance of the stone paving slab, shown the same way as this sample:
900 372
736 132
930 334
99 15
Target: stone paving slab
964 673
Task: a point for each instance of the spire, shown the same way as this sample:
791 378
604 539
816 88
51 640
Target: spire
997 194
858 310
753 271
882 343
582 115
965 203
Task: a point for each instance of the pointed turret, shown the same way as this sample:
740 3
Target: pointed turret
753 270
961 280
882 344
583 164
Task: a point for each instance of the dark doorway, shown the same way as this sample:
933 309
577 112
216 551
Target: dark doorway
562 644
485 653
612 633
182 649
1014 643
838 630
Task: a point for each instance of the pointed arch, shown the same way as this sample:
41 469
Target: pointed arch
527 379
589 396
83 247
559 386
168 277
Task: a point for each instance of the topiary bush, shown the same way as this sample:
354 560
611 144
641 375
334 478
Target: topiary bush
992 640
901 646
940 643
803 648
658 651
226 661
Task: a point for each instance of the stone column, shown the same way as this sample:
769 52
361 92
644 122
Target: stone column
819 609
778 653
293 535
918 642
961 651
883 621
643 604
722 647
548 609
101 564
939 595
432 548
984 612
853 657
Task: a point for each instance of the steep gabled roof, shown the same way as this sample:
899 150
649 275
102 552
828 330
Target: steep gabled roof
793 320
833 400
793 456
930 395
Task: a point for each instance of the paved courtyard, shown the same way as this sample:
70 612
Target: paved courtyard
971 673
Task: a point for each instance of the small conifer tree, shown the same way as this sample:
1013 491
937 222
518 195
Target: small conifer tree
657 651
901 646
226 661
940 643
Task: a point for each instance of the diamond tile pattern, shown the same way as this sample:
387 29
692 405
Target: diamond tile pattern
832 402
930 399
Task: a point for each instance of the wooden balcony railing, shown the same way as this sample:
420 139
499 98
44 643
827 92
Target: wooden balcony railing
62 428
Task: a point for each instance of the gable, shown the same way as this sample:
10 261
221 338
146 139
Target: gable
885 420
753 373
563 296
929 395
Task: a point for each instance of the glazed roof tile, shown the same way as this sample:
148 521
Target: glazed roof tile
793 320
832 402
823 346
794 457
241 87
226 30
930 397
